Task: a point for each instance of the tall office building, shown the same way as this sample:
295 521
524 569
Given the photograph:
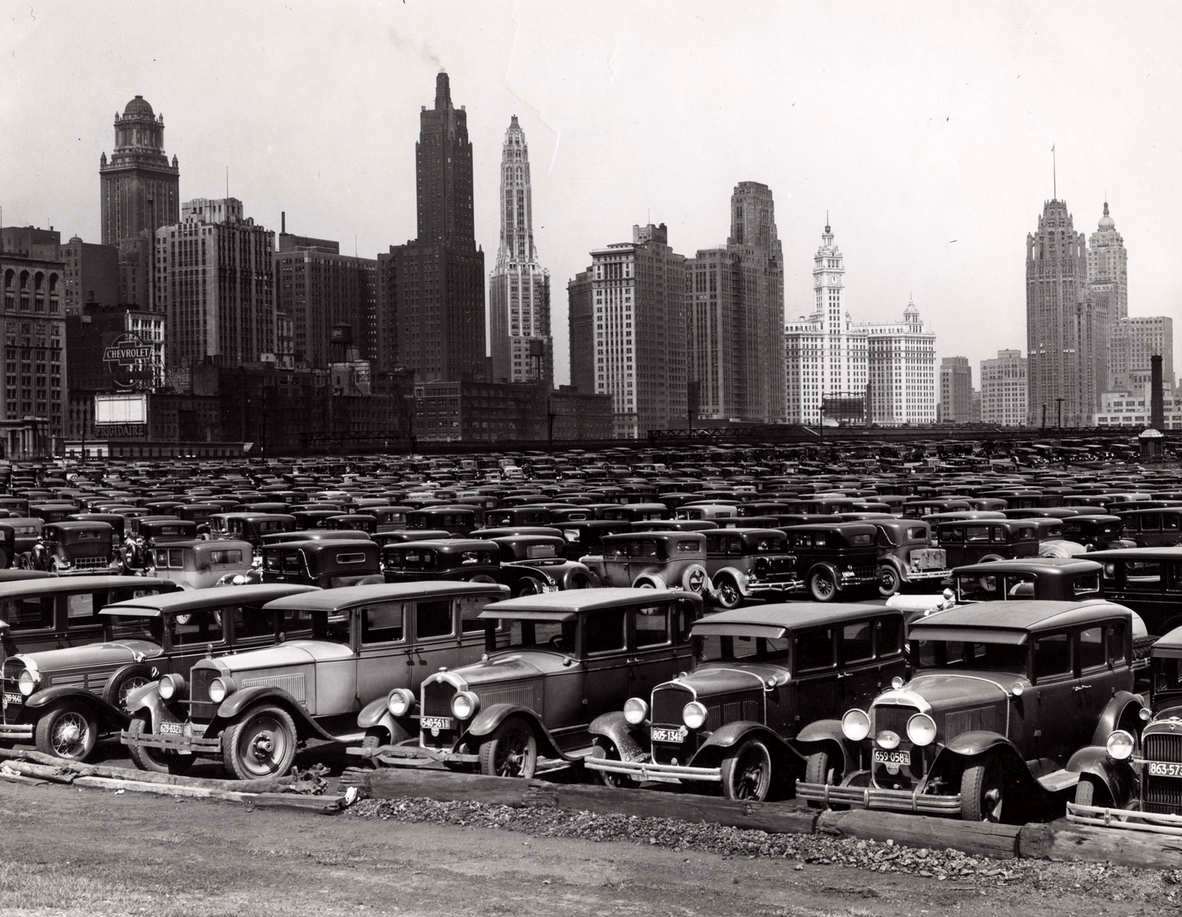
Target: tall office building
1108 266
1067 330
956 390
519 288
1003 389
215 283
327 296
1134 340
715 335
825 356
581 331
639 296
430 291
92 274
900 370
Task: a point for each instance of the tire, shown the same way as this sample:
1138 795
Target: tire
747 774
154 760
69 731
1085 792
376 738
605 749
5 560
983 791
529 585
511 752
123 684
695 579
647 582
822 585
727 593
821 767
888 580
577 578
481 578
260 744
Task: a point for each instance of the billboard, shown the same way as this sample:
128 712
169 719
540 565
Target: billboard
127 410
843 409
131 362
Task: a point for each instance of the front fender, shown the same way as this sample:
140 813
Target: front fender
41 702
622 734
1122 704
240 702
371 714
489 720
975 742
1117 777
734 734
823 734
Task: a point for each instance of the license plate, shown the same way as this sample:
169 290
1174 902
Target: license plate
174 729
1162 769
929 560
881 756
661 734
11 699
435 722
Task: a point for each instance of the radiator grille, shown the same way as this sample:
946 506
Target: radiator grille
667 703
436 701
1163 795
1164 748
893 718
200 706
94 562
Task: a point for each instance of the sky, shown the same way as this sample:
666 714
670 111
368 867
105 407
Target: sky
924 130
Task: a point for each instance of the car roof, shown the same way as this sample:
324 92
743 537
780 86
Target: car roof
1023 564
322 544
195 599
455 544
1168 644
56 584
343 597
780 617
1136 554
567 603
1011 621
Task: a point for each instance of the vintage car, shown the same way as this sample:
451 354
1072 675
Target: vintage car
1152 528
252 710
833 558
571 656
455 519
995 720
762 673
710 512
470 559
18 536
147 532
1145 767
199 563
747 562
970 542
905 555
328 563
52 611
1096 531
117 523
1147 580
532 564
75 547
652 560
250 526
66 699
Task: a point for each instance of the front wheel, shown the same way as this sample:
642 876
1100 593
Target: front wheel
726 592
261 744
152 759
376 738
747 774
888 580
983 792
822 585
823 768
530 585
69 731
605 749
511 752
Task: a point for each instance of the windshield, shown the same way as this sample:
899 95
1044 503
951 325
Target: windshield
289 562
745 649
133 627
956 654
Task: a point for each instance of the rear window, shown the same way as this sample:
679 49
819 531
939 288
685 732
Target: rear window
283 562
917 534
351 558
541 550
859 540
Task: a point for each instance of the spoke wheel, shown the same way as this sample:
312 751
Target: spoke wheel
529 585
126 686
747 774
727 593
888 580
261 744
983 792
67 732
605 749
822 586
511 752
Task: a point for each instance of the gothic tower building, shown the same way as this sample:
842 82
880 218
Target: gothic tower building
519 288
140 187
1108 266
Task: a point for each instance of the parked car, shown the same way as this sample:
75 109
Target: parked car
747 562
455 519
969 542
201 563
76 547
468 559
532 564
18 536
148 532
328 563
250 526
762 673
65 700
1152 528
1001 698
652 560
833 558
1147 580
254 709
906 555
117 523
571 656
1096 531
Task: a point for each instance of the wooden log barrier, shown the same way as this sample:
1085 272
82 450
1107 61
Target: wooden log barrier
1064 841
976 838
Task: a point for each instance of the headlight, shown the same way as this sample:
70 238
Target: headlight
400 702
897 682
693 714
855 724
239 579
1145 714
887 739
1120 745
921 729
464 705
635 710
170 686
220 689
27 682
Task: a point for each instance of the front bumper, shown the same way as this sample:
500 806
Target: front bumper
181 744
650 772
872 797
15 732
913 576
1124 819
411 755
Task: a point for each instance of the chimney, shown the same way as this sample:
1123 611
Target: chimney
1157 414
283 221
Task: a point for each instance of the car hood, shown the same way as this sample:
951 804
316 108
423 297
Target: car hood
505 666
293 652
99 655
949 691
710 679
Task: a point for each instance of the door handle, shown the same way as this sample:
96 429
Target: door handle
1081 688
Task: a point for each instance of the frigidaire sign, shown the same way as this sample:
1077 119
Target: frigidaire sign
130 362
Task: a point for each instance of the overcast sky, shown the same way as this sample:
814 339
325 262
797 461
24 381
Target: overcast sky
924 129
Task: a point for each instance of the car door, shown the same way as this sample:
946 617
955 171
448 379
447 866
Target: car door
858 677
606 673
386 657
1097 681
656 651
815 674
1055 682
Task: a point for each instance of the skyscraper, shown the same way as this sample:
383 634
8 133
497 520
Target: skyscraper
519 288
581 331
900 369
1108 267
1003 389
430 291
956 390
715 334
1066 329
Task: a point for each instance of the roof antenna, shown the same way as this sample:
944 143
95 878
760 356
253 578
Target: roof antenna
354 245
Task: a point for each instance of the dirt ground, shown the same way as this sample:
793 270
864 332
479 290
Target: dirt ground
82 852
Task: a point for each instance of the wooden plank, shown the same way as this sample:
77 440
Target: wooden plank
324 804
1081 843
81 769
977 838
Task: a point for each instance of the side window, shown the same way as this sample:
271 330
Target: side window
1116 642
683 619
1151 522
857 642
200 627
652 626
978 534
1052 656
603 632
814 649
250 622
953 534
1092 652
80 605
890 637
33 612
998 535
433 619
1020 586
382 623
470 610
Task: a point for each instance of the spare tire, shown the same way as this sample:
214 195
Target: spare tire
695 579
578 577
